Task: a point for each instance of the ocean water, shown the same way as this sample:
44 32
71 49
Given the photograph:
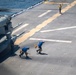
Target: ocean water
10 7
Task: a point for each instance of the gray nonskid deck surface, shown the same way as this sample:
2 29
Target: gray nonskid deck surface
58 58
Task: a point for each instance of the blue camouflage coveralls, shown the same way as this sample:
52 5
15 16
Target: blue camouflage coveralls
24 50
40 46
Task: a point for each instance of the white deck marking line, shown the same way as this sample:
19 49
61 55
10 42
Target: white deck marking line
58 29
60 41
44 13
19 28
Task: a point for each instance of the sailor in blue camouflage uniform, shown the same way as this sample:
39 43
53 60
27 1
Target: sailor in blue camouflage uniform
24 50
39 47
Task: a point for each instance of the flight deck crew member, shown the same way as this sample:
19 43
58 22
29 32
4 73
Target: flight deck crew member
24 50
60 7
39 47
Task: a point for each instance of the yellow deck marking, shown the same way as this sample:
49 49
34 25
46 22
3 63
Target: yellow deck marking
43 24
47 2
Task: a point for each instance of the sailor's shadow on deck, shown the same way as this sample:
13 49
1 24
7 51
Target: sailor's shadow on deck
43 53
27 58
